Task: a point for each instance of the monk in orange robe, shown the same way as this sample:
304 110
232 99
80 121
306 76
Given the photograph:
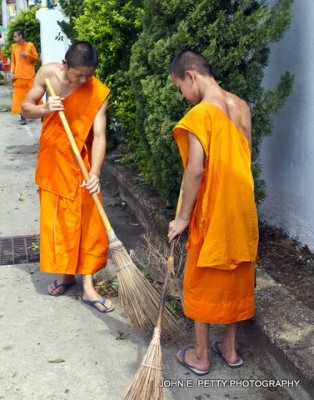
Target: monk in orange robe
214 140
73 239
23 58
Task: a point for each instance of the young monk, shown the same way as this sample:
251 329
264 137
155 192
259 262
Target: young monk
72 237
214 140
23 58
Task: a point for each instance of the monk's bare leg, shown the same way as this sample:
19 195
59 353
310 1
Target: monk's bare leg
90 293
198 356
56 289
229 346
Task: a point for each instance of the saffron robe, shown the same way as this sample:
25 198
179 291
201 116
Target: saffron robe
223 234
24 70
73 239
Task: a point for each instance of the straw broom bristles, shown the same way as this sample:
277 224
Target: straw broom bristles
138 296
147 383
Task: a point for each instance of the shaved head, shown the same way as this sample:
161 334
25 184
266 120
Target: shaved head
81 54
18 32
190 60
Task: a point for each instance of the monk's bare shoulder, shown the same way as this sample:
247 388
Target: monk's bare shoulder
50 70
240 114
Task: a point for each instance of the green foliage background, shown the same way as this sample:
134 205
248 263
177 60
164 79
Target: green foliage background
72 9
235 37
112 26
27 22
137 40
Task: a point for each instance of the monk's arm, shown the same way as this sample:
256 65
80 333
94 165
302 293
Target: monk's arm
30 108
246 123
33 55
13 63
98 149
191 182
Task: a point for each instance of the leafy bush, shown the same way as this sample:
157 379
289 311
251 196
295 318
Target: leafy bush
235 37
27 22
113 32
72 9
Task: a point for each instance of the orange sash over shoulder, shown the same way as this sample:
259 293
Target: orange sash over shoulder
224 218
57 169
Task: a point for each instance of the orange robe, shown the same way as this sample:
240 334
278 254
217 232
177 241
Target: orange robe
73 239
24 70
223 233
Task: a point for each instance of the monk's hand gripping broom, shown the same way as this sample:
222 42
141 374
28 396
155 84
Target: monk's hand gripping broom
138 297
147 382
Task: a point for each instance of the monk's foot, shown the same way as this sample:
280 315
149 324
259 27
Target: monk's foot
23 121
189 358
60 286
90 296
230 355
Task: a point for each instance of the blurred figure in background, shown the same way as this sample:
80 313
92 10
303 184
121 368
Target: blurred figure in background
23 58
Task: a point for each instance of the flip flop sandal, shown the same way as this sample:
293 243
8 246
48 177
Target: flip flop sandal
57 285
216 349
181 360
101 302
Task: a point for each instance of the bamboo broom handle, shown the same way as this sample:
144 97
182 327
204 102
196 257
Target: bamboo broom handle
170 263
79 159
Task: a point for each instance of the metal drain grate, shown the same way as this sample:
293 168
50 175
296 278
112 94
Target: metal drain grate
19 250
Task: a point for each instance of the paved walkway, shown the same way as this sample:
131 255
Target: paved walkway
37 329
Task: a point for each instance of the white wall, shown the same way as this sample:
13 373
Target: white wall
21 5
5 15
288 155
52 50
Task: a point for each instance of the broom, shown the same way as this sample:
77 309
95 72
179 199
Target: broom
138 297
147 382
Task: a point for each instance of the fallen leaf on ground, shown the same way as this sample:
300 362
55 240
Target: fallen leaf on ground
122 335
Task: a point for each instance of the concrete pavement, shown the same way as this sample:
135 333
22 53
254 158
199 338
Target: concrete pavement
60 349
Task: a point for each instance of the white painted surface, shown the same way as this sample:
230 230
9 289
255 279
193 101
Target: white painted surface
5 14
52 50
21 5
288 155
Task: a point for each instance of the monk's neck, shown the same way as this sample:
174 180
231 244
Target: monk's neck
211 90
66 86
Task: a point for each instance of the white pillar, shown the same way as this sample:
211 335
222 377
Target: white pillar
5 14
52 50
20 5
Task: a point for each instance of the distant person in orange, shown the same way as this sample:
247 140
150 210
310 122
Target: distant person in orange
73 240
23 58
214 140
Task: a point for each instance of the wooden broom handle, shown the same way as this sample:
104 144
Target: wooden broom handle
79 159
170 263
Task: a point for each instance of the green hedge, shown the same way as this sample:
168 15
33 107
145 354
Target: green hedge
235 37
137 40
113 26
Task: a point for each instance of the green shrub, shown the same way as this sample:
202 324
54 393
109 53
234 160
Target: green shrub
72 9
235 37
112 26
